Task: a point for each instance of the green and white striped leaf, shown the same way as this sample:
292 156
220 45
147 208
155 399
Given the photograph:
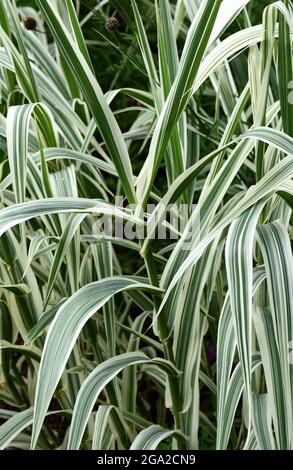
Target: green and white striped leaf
94 384
63 333
150 438
93 95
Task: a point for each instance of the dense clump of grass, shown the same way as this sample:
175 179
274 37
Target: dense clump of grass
129 338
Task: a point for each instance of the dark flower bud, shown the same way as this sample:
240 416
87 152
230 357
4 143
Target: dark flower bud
112 24
29 23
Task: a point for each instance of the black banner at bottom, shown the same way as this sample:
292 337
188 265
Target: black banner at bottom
142 459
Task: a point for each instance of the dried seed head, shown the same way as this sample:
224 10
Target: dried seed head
112 24
29 23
